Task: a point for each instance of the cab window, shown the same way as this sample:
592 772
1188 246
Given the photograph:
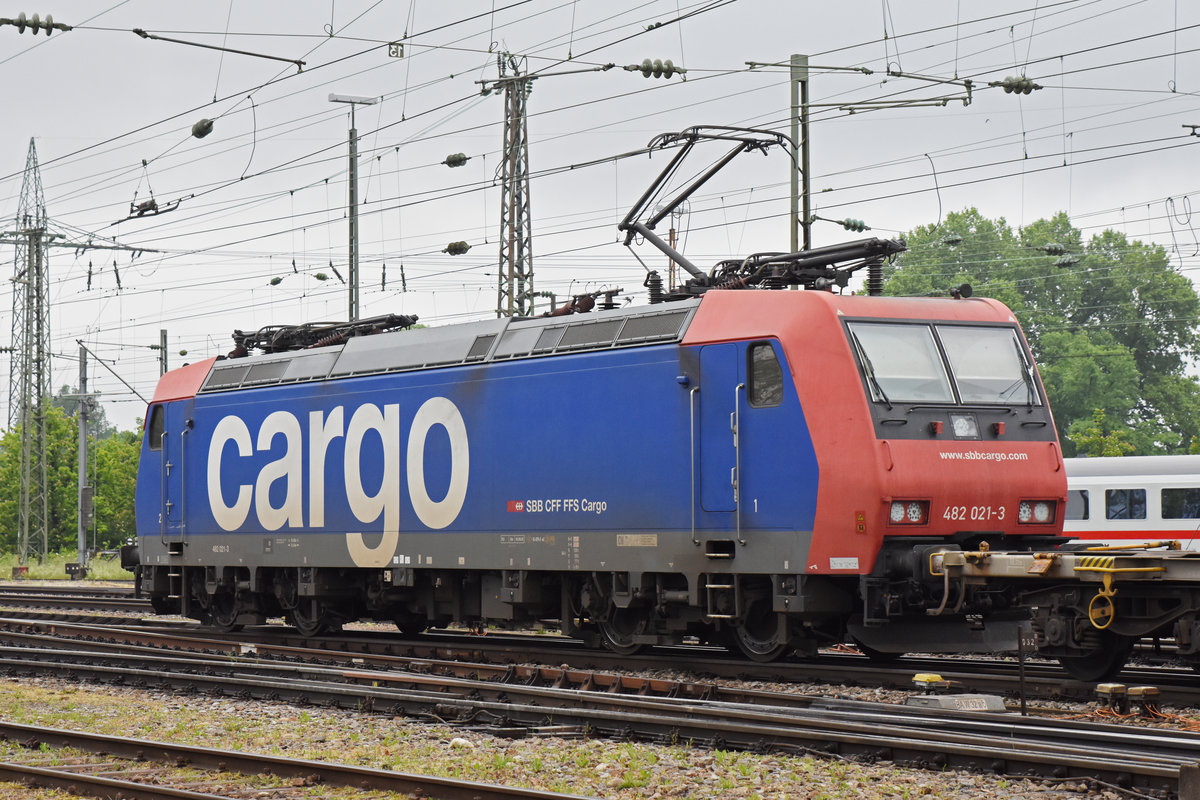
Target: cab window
901 362
765 386
154 430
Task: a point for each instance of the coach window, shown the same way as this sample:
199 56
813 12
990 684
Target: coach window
154 430
766 377
1125 503
1077 504
1181 503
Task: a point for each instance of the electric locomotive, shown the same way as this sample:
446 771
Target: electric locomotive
737 462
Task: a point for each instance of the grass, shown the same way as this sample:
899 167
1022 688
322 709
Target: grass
631 772
54 568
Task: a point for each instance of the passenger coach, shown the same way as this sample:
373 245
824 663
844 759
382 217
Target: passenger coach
1134 499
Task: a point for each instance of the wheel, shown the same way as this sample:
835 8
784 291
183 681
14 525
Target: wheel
411 626
223 612
311 618
1101 663
619 630
757 637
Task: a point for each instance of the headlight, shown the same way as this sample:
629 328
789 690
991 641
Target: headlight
909 512
1038 512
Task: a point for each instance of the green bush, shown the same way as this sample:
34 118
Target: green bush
54 568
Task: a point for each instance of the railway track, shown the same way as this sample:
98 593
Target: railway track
519 702
158 770
1038 680
91 599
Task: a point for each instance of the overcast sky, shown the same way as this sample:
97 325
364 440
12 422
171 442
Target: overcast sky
264 195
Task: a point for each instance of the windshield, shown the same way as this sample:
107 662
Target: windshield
904 363
988 365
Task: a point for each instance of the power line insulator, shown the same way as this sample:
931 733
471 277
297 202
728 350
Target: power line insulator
274 282
456 159
856 225
1066 261
35 24
1018 84
202 128
457 248
1053 249
321 276
657 68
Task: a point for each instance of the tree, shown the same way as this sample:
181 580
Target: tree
68 400
116 460
1096 437
1111 322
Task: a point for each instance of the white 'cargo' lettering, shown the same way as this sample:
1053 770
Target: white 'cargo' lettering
323 429
229 429
438 411
287 468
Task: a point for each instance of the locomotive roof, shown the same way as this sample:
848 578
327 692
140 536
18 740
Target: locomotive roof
453 345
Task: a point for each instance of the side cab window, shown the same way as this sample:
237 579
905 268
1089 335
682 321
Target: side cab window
765 385
155 428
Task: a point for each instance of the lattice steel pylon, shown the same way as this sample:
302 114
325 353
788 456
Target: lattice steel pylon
29 372
515 293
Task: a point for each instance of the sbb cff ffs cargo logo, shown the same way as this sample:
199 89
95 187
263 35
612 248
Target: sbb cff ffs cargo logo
306 449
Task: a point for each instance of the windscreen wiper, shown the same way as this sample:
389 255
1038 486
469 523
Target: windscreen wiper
869 369
1026 374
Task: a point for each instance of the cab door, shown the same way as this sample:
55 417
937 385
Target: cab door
719 393
170 442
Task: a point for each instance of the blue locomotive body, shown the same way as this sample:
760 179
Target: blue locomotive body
571 444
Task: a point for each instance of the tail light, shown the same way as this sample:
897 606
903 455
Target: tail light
1036 512
909 512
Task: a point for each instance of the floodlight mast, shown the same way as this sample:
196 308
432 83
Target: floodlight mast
353 100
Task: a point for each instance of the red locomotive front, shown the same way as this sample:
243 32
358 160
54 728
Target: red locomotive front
932 430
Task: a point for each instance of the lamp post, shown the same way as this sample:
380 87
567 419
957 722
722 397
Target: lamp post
353 100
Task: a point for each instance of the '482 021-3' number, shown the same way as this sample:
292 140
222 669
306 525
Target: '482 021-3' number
973 513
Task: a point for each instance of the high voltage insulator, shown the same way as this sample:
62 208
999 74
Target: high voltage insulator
656 68
456 159
1066 261
1016 83
276 280
202 128
321 276
35 24
457 248
857 225
1052 248
952 239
